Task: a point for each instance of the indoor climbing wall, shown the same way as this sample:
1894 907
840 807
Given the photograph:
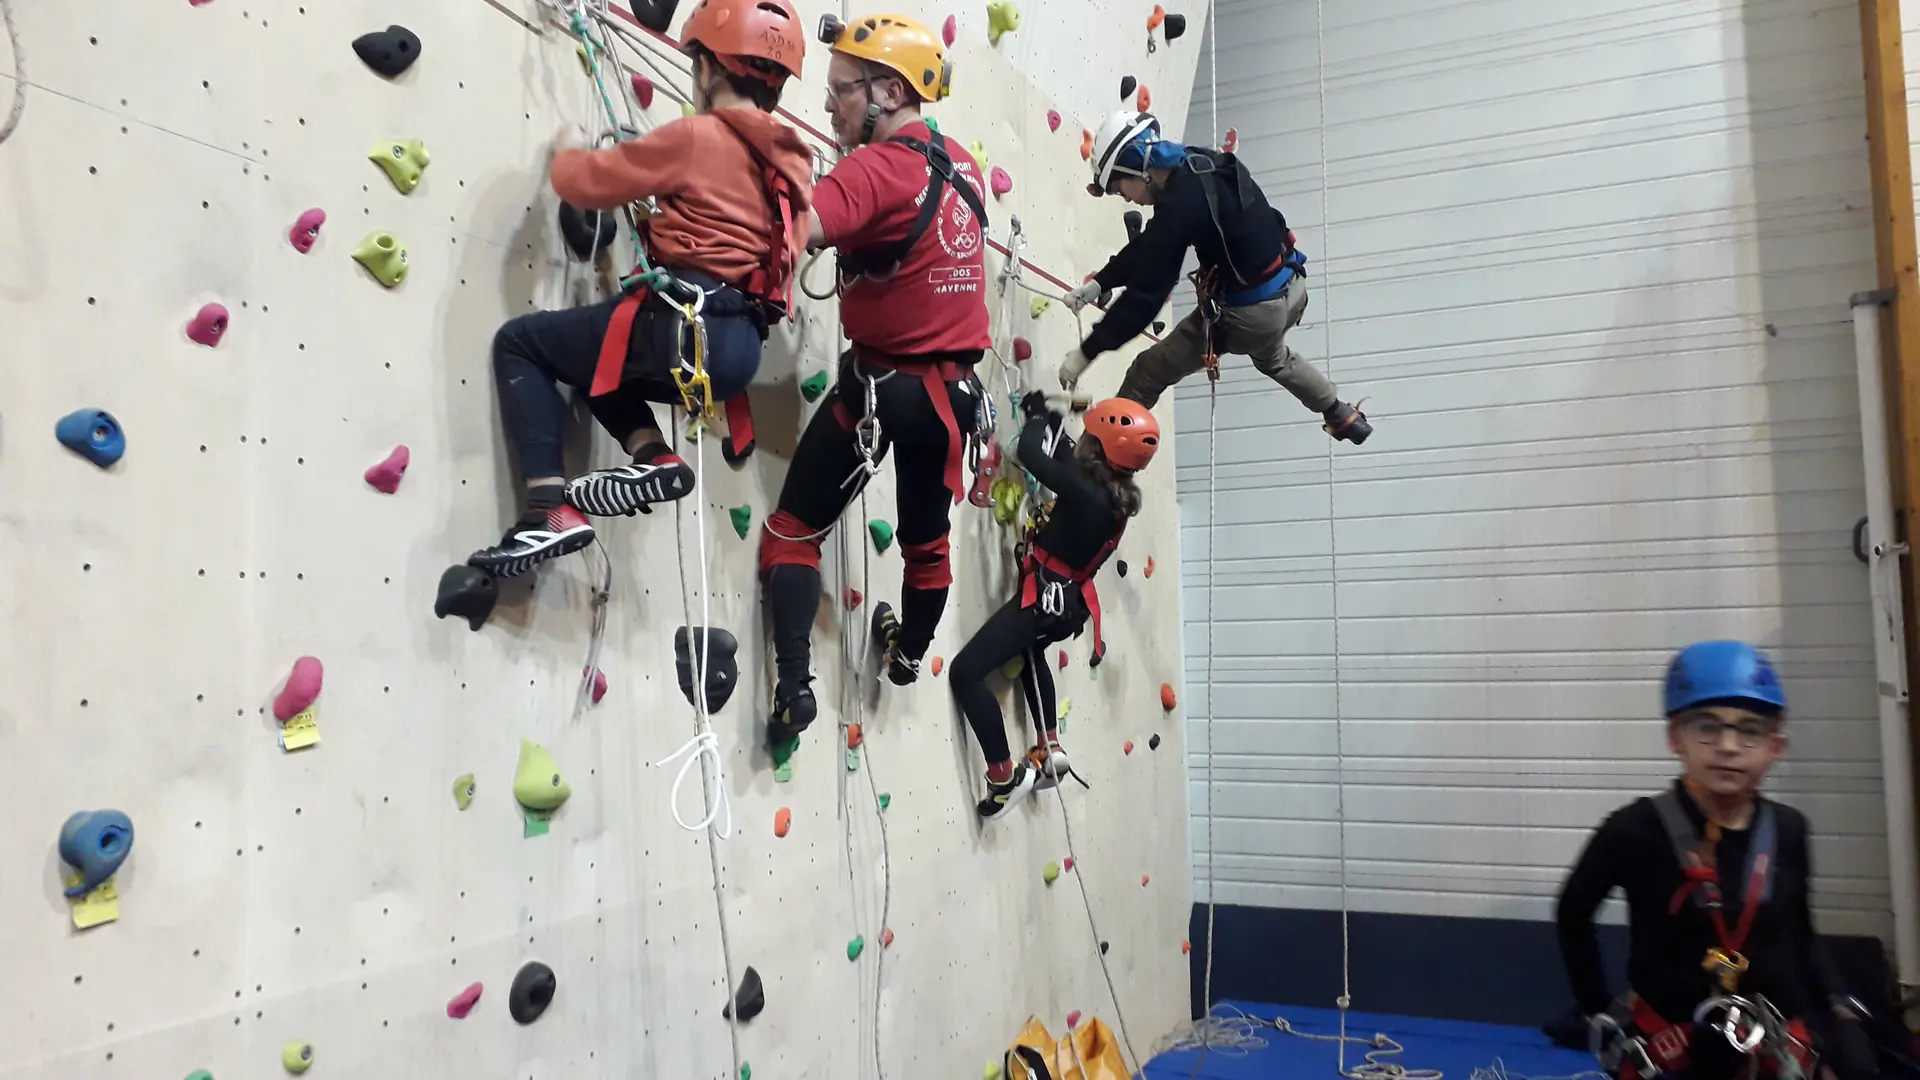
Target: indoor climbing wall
326 888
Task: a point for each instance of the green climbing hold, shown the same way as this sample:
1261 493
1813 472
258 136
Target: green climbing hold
783 773
463 791
537 783
1051 873
742 517
853 761
1011 669
746 1071
931 126
855 947
816 383
885 800
782 751
199 1074
882 534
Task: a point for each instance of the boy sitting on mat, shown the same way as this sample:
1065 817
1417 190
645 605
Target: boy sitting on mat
1725 974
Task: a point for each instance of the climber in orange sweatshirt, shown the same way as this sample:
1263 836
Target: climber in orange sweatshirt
733 187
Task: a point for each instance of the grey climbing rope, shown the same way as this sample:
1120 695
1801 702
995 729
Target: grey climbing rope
19 73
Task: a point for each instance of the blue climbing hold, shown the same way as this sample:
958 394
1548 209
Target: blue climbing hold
95 842
93 434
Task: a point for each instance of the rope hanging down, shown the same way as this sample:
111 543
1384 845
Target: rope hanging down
19 73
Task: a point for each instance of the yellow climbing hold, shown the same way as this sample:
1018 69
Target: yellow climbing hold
537 784
586 62
1051 873
1040 304
463 790
384 256
687 109
404 162
1002 18
993 1071
979 152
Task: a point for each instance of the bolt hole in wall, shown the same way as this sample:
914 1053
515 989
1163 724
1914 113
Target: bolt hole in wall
326 878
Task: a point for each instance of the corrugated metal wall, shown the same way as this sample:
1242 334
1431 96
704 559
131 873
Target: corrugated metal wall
1591 263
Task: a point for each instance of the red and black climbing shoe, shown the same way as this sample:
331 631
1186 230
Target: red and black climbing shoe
901 668
631 489
793 711
533 540
1050 766
1345 421
1005 795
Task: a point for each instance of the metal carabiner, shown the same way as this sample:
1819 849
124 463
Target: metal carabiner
696 391
1053 599
1738 1011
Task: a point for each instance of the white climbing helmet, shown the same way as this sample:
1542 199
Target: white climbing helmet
1120 130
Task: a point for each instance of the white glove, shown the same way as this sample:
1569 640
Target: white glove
1074 366
1082 296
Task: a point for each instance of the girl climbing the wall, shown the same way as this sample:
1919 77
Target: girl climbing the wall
1093 482
904 209
731 229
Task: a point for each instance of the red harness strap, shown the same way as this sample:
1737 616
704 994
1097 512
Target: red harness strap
1039 559
613 347
1667 1043
934 375
740 441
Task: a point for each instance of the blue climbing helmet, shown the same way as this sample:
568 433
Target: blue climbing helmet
1733 672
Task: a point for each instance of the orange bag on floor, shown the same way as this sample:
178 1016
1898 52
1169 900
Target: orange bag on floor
1089 1053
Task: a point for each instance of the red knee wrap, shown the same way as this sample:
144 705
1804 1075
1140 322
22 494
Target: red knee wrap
927 564
776 549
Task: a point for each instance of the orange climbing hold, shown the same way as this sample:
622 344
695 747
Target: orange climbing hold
886 937
854 736
1167 701
1127 747
1186 946
1143 881
782 821
1153 23
1149 566
938 664
1086 145
1143 100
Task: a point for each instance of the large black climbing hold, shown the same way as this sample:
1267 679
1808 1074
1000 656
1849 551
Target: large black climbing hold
468 592
655 15
1159 326
1127 83
390 51
1135 225
587 232
532 992
1174 26
723 672
749 1000
1120 567
1153 743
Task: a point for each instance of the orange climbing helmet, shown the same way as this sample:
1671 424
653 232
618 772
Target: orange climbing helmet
1126 431
897 43
740 32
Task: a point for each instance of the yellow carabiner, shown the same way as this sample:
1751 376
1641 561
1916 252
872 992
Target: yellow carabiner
696 392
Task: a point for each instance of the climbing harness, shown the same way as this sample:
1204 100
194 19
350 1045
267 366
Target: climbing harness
881 261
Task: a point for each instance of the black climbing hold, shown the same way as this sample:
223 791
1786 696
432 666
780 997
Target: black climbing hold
390 51
751 998
655 15
532 992
722 670
579 229
1153 743
1103 948
1127 83
1175 25
1120 567
468 592
1135 225
1159 326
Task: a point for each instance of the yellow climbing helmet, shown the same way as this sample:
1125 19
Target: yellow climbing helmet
897 43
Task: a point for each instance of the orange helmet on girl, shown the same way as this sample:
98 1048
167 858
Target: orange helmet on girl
1126 431
740 32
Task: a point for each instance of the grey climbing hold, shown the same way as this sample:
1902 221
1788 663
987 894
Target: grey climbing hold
749 999
532 992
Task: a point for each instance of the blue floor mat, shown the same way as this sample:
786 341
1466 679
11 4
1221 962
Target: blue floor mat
1456 1048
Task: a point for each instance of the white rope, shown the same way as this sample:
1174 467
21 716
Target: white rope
19 73
1213 69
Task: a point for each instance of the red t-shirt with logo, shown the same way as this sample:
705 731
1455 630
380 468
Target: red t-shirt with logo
937 300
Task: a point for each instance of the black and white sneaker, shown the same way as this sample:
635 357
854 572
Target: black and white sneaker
631 489
530 542
1004 797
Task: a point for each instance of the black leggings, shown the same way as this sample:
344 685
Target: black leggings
813 497
534 354
1009 632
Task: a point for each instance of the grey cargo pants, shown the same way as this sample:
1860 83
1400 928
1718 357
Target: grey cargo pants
1257 330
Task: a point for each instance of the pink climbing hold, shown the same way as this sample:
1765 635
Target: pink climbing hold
999 180
1053 119
209 326
199 3
1073 1019
463 1002
599 684
1022 349
643 89
302 687
385 476
306 230
949 30
1067 864
1063 659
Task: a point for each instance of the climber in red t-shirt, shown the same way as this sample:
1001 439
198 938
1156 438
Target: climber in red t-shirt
905 210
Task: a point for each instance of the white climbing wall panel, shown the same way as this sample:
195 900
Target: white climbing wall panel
337 895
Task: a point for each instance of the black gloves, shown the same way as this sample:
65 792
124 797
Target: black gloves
1034 406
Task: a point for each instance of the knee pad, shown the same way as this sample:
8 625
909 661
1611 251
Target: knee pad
927 564
777 549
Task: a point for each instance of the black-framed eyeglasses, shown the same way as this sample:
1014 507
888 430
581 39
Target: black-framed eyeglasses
1708 729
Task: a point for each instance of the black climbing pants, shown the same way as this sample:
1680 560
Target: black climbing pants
1009 632
534 355
823 480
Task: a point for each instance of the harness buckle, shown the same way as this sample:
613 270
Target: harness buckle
1742 1023
1726 966
1053 598
1612 1047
